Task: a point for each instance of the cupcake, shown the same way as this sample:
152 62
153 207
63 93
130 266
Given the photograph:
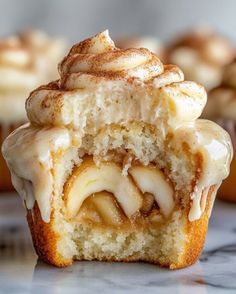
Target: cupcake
151 43
221 107
114 163
202 54
26 61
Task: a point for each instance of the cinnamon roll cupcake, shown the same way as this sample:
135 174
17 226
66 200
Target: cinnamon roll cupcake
221 107
202 54
26 61
115 164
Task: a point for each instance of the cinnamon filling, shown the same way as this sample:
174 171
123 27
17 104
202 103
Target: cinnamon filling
103 195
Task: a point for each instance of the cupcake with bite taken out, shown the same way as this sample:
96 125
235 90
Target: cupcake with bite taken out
115 163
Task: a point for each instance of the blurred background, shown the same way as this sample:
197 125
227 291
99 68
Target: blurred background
77 19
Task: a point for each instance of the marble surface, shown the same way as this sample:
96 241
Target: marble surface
22 272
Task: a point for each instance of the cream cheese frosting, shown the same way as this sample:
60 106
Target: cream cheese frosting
25 63
36 147
101 85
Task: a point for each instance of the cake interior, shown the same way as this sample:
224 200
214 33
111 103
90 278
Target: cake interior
99 227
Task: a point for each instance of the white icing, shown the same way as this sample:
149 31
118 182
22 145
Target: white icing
203 136
214 145
29 157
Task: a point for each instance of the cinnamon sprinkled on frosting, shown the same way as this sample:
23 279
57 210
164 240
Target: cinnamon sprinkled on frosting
98 57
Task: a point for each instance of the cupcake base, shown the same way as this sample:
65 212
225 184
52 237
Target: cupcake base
47 240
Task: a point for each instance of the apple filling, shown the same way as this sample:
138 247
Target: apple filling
101 194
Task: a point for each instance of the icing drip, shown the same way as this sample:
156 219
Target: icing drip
214 146
29 158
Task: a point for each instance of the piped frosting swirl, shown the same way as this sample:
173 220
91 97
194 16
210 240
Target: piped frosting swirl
96 64
97 59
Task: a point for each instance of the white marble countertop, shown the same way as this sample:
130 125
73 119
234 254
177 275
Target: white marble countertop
21 272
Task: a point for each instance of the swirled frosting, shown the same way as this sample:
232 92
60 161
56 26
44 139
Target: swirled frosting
101 85
26 61
98 57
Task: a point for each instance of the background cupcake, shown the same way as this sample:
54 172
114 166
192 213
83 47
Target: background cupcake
202 54
221 107
26 61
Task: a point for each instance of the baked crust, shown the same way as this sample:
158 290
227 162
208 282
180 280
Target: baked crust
45 240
